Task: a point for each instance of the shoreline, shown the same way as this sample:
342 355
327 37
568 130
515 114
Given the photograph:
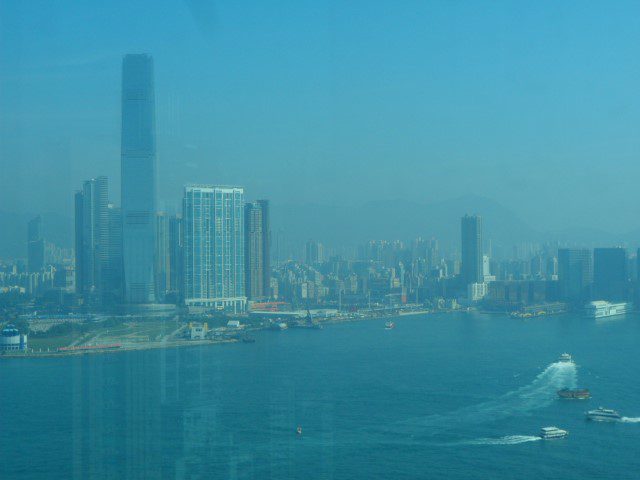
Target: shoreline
195 343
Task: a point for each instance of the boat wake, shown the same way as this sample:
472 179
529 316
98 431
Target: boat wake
507 440
540 393
630 420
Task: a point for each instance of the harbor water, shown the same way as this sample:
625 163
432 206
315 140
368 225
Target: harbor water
455 396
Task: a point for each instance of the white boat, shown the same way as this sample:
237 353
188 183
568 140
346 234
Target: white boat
603 415
549 433
602 309
565 358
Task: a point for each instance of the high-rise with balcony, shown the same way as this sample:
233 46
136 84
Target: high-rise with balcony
138 178
213 268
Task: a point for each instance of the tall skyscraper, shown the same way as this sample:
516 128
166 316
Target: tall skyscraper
35 245
213 219
138 178
610 277
92 236
575 274
471 228
257 250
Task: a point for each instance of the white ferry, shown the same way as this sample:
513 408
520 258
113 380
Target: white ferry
602 309
603 415
565 358
549 433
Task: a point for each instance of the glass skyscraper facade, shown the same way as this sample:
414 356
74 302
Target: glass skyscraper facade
213 222
575 274
138 178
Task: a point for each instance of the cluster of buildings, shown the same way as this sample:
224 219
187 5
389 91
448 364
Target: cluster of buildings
391 274
215 254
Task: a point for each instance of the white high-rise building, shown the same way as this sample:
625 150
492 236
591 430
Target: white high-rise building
213 218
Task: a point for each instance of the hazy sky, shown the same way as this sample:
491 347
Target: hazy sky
534 104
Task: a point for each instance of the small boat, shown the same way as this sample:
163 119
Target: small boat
389 325
603 415
248 340
550 433
574 393
565 358
299 430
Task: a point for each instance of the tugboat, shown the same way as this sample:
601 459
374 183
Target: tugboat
550 433
603 415
389 325
574 393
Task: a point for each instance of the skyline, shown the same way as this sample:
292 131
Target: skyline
363 103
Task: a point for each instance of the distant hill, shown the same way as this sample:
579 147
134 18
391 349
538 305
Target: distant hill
398 219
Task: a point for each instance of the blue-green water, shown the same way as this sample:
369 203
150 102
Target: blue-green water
440 396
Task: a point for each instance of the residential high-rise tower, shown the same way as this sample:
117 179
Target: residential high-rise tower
213 222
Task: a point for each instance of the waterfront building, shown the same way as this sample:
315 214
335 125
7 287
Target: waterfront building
610 277
257 250
213 219
11 339
575 274
35 245
472 264
138 178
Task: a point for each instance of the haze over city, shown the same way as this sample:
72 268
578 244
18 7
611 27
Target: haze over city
319 240
532 106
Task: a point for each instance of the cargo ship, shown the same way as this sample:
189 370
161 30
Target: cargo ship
574 393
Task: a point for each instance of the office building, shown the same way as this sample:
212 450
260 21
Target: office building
575 275
113 288
610 277
138 178
35 245
257 250
168 270
213 222
92 237
472 264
